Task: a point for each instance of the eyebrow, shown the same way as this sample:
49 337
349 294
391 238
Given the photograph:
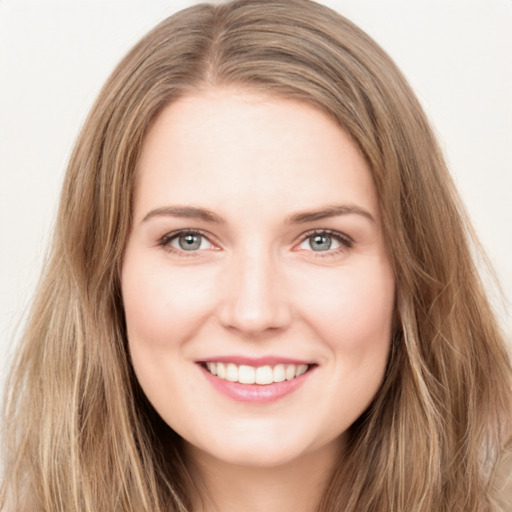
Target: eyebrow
192 212
189 212
329 211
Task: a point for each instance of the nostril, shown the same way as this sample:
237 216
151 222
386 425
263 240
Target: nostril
253 299
252 318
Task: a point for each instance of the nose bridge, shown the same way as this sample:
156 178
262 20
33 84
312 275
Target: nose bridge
254 297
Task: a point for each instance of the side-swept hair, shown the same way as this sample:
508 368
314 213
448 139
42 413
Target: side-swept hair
79 433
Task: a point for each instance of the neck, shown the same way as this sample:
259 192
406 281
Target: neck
295 486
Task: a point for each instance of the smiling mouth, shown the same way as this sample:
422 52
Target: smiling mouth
261 375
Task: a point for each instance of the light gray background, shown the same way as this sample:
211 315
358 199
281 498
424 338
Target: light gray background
54 57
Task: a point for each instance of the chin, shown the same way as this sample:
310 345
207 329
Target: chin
250 456
261 449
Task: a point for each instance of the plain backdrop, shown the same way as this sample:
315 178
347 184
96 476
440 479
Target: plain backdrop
55 55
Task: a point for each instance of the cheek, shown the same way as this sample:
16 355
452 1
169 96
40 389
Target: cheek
353 317
164 308
353 311
163 304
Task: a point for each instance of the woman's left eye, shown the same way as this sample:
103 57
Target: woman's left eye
189 241
325 241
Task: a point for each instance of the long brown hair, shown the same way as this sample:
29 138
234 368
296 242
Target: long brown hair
79 433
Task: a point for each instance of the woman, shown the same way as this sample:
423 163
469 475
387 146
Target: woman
260 292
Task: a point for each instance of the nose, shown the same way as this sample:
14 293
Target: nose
254 298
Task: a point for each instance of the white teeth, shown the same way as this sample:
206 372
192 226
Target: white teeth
290 371
221 370
246 374
301 369
262 375
278 373
232 372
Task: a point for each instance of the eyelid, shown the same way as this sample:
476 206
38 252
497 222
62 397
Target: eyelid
346 241
165 241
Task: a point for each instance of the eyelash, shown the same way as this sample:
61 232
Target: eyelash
166 240
345 241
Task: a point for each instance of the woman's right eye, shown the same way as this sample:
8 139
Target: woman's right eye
188 241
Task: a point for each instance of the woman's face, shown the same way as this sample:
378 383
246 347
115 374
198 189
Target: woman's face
256 254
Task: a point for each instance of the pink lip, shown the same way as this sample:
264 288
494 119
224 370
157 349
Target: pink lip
254 361
255 393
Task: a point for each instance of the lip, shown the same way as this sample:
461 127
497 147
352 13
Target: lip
254 361
255 393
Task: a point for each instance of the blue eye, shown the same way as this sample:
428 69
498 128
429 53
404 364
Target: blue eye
325 241
188 241
321 242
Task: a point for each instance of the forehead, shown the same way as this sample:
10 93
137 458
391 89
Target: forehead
230 147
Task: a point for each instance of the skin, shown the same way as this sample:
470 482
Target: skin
256 286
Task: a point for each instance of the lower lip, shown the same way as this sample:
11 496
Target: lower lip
256 393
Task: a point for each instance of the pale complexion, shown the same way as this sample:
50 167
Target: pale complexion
256 233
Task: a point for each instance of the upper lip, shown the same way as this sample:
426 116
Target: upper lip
254 361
